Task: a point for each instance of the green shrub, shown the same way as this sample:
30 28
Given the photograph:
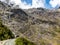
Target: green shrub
5 33
23 41
57 30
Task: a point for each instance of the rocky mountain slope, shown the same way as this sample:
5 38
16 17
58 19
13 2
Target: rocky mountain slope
41 26
44 26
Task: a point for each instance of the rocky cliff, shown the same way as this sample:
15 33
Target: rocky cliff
38 25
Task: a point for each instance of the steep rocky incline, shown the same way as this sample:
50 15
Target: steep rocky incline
38 25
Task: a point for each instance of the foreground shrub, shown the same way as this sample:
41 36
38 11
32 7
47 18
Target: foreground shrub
5 33
23 41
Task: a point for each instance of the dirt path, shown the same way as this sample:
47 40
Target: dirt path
8 42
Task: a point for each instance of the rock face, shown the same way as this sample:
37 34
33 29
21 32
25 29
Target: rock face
38 25
44 26
16 20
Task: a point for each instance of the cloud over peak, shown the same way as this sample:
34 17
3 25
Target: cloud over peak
35 3
54 3
38 3
24 5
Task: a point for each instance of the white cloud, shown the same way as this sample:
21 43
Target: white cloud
2 0
21 4
24 5
38 3
54 3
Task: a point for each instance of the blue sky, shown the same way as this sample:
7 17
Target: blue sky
27 1
47 3
26 4
30 2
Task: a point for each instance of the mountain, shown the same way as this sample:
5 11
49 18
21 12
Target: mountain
39 25
45 26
